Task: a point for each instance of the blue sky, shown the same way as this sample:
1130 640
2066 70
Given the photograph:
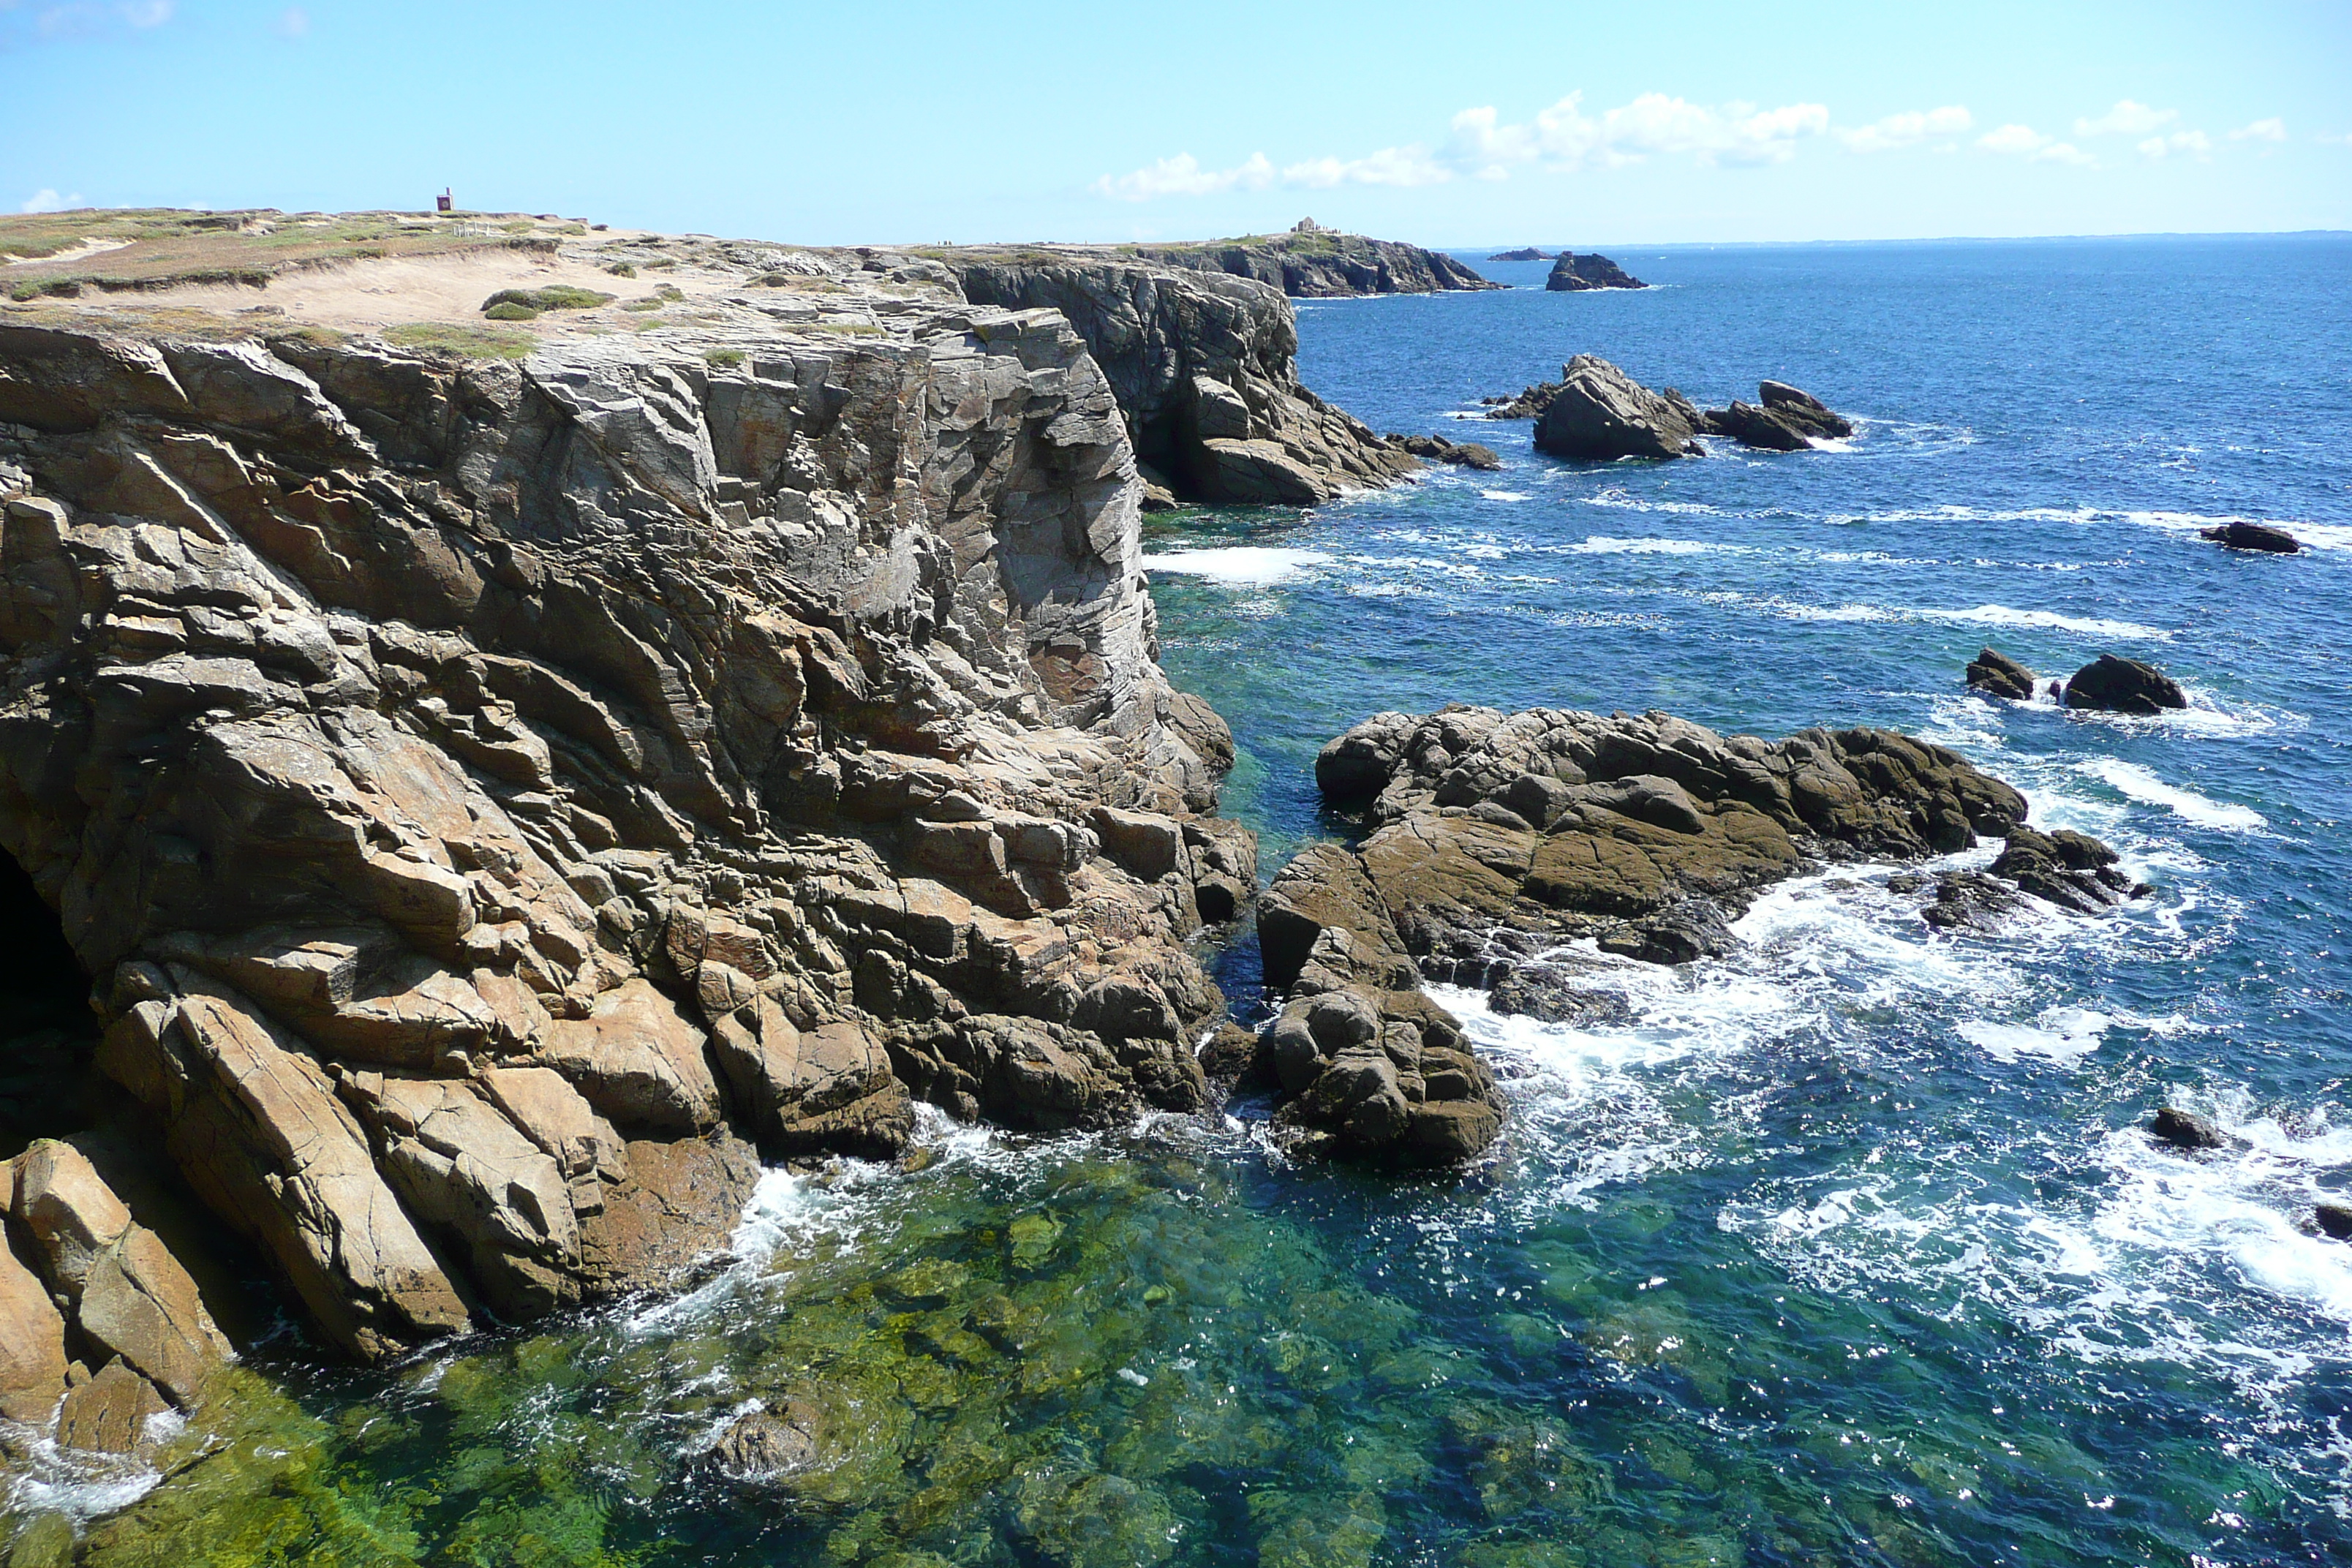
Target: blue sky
895 122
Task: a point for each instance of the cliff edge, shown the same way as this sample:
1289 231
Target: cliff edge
499 780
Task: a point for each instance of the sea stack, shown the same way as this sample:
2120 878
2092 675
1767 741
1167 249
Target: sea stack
1574 274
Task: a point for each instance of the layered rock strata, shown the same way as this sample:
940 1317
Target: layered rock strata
1497 838
1204 367
492 796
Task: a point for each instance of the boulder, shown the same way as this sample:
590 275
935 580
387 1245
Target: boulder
2255 536
1600 414
2072 871
1760 427
2113 685
764 1446
32 1343
1438 450
109 1413
1573 274
2333 1221
2187 1130
1997 675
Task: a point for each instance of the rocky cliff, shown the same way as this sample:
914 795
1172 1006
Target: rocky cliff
496 790
1204 366
1315 263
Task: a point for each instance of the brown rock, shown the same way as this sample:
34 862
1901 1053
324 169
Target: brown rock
638 1061
108 1414
32 1343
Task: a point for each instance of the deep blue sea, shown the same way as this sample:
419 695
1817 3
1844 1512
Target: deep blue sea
1847 1250
1863 1215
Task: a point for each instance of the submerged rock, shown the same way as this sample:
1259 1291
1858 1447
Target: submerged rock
2114 685
2255 536
765 1446
1599 413
1574 274
1998 675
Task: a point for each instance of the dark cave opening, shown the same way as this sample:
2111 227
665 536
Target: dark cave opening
47 1034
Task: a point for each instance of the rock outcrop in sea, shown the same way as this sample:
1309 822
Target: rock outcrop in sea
498 794
1597 412
1574 274
2258 537
2113 685
1496 839
1998 675
1524 253
1455 453
1610 415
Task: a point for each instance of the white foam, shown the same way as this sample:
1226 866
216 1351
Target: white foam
1614 497
1506 495
1240 565
2045 620
2059 1035
2142 785
1602 544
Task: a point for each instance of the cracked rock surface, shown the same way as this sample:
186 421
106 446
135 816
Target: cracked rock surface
498 800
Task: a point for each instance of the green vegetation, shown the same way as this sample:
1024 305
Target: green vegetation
724 359
555 296
623 270
511 311
461 339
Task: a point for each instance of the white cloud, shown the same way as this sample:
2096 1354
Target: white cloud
45 200
293 23
1405 166
2271 130
149 13
2196 144
1184 176
2126 119
1907 130
2024 142
1560 137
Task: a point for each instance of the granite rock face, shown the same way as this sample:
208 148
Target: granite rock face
493 797
1496 839
1204 367
1572 274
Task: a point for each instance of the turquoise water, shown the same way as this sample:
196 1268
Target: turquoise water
1843 1250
